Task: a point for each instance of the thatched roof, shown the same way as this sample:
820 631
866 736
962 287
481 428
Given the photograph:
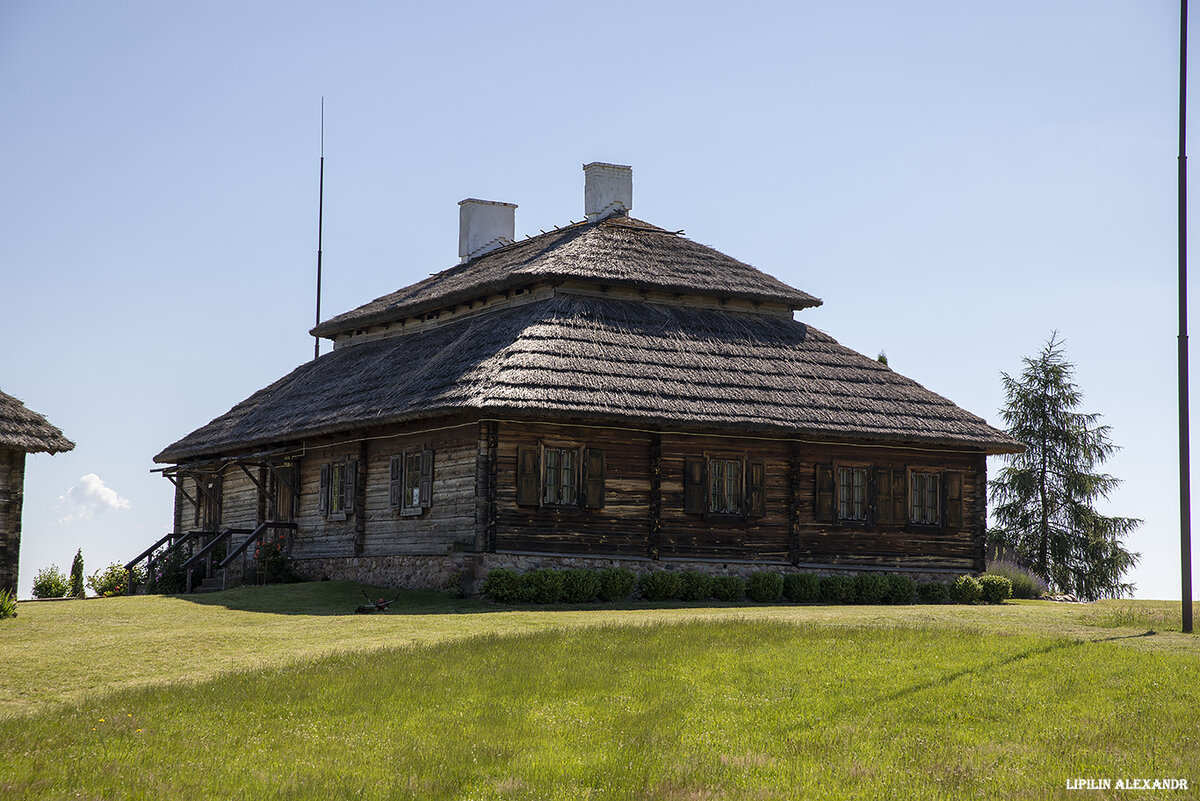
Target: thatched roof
619 250
602 359
23 429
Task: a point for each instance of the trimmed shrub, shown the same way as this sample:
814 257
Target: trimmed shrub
114 580
966 590
503 586
837 590
900 590
50 583
932 592
801 587
996 589
659 585
764 587
8 604
729 588
542 586
694 585
615 584
1024 583
76 590
870 589
580 586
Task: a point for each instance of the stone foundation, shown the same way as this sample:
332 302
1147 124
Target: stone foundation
410 571
466 571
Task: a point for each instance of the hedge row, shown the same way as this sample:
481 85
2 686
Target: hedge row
615 584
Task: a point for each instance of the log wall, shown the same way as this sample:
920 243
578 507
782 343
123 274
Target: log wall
475 485
896 545
374 529
712 537
239 500
621 527
643 513
12 493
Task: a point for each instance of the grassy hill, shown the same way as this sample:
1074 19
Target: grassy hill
280 692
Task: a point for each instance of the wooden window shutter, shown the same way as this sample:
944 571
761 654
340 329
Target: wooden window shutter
899 495
695 490
593 478
426 485
323 497
395 481
758 489
952 483
528 479
823 511
881 488
350 486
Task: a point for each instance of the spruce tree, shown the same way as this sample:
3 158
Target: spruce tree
76 590
1044 497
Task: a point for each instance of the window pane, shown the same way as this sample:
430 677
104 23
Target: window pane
569 484
411 496
860 493
716 470
336 479
560 476
924 498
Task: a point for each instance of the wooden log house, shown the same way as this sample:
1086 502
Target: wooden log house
609 392
22 431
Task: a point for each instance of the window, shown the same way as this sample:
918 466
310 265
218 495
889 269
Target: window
410 485
560 475
412 481
281 504
208 501
852 494
726 489
844 494
337 492
924 499
849 494
724 486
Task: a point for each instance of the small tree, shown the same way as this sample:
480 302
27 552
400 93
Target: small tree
50 583
1044 497
76 590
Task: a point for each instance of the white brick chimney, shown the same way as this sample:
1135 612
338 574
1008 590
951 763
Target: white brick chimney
483 226
607 190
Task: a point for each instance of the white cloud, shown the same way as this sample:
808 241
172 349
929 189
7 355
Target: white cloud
88 496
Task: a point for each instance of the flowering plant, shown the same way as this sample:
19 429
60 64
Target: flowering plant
273 559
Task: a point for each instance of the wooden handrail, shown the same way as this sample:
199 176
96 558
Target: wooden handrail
149 550
196 557
254 535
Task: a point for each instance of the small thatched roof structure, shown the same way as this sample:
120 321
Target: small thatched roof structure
617 251
25 430
628 362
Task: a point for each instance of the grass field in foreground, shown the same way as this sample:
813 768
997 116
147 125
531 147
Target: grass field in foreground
458 700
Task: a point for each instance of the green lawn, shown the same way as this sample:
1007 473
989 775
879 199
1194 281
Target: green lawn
278 693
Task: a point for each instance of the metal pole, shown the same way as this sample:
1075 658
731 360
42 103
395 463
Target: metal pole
1185 489
320 228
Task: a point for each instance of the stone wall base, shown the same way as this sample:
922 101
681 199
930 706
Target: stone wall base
466 571
410 571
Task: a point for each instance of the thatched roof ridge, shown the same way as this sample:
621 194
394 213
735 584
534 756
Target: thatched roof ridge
620 250
25 430
602 359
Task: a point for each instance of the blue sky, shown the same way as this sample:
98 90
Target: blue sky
955 180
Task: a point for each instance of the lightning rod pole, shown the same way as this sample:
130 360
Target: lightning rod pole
1185 489
320 228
